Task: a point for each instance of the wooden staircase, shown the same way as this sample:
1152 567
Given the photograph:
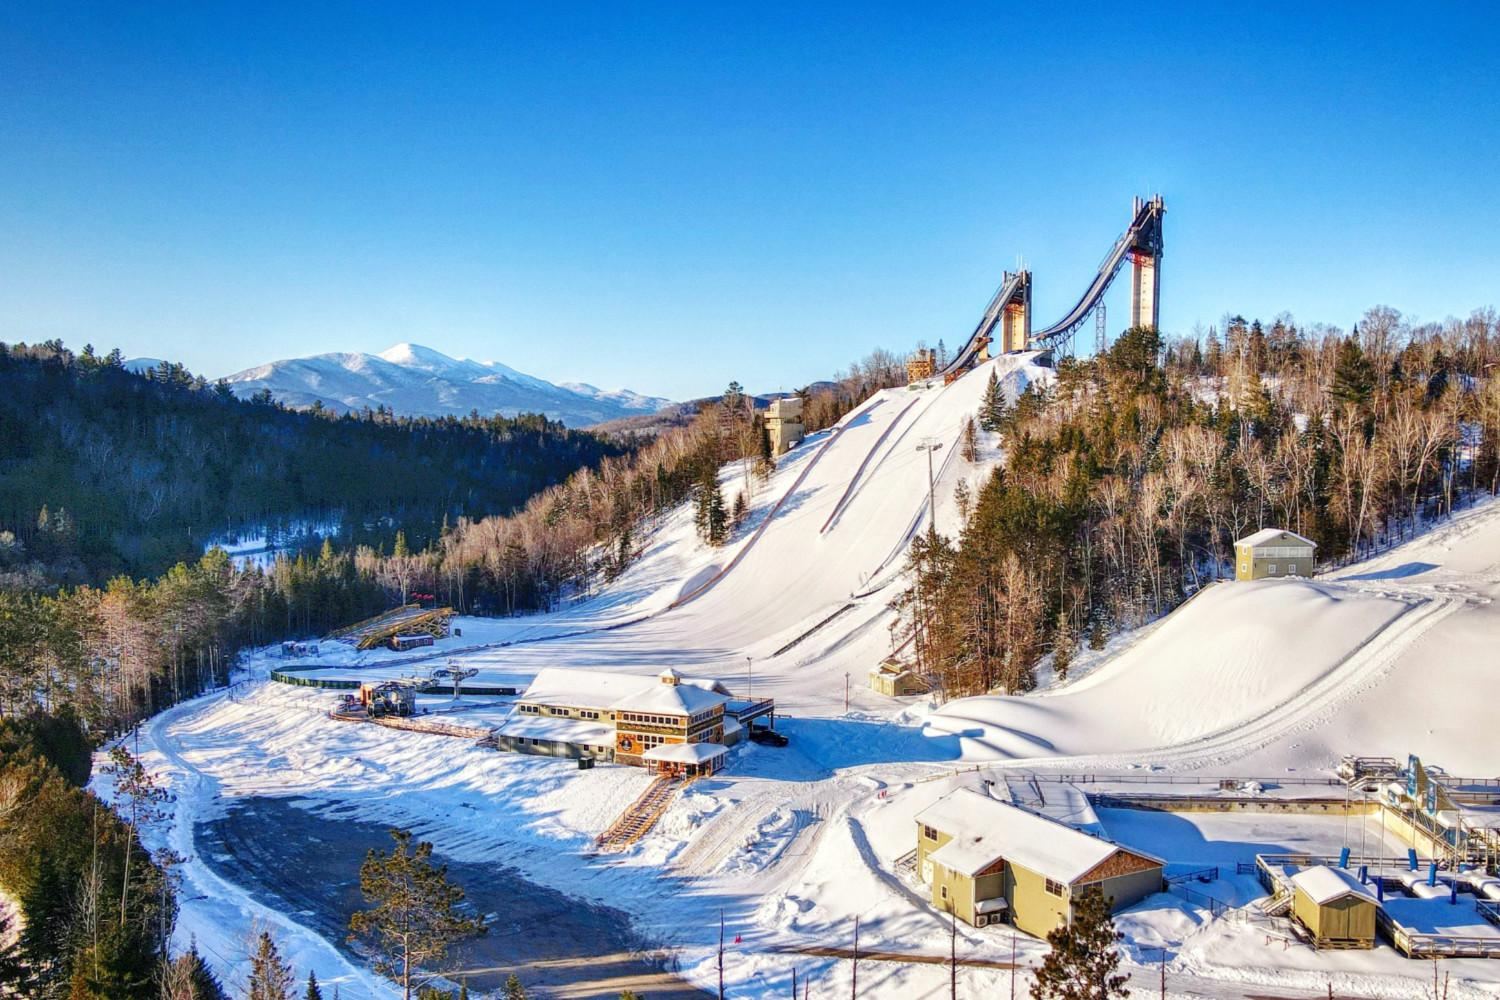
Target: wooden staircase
636 821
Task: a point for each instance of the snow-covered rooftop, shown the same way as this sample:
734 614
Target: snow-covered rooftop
670 699
1323 884
686 753
558 730
607 691
1267 535
985 829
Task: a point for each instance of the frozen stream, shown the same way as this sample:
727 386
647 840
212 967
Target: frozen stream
307 864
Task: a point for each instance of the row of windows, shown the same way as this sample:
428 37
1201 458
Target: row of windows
1283 552
583 713
651 720
676 721
530 741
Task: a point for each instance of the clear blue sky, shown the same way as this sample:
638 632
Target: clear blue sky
665 199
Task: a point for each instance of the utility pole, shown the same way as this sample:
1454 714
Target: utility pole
721 955
846 692
794 982
750 668
931 446
1164 974
1012 965
854 978
953 956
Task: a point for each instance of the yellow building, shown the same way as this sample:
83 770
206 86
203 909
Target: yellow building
991 862
1337 910
893 680
1274 552
784 424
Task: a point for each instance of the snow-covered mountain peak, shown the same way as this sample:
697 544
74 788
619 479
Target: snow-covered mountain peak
414 380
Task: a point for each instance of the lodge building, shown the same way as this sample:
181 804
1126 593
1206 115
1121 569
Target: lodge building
669 723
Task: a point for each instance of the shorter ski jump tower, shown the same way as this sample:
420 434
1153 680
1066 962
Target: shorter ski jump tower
1008 316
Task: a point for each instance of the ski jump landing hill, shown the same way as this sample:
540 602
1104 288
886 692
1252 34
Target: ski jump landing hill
812 572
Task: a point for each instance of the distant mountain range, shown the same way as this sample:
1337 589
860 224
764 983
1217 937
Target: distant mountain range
417 381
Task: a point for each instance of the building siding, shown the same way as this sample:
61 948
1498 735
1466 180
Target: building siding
1262 561
1338 921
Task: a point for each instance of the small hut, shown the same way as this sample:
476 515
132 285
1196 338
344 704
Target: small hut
892 679
1335 907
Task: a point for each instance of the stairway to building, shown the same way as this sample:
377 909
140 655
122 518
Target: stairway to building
636 821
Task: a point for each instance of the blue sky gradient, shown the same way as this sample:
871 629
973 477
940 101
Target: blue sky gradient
666 198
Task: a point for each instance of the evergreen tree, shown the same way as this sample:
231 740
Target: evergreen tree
992 409
1353 376
1098 637
1062 647
270 977
313 993
412 918
1084 961
741 509
206 985
513 989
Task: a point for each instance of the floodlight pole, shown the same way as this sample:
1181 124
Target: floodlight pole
750 667
930 446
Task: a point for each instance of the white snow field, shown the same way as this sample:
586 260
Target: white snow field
1262 680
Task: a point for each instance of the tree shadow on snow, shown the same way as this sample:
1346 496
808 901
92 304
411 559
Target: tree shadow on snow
1399 573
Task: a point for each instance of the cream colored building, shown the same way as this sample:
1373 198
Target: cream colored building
784 423
890 678
991 862
1274 552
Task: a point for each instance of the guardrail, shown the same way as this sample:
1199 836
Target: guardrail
1413 944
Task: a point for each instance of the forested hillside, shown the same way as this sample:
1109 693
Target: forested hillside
1126 484
103 471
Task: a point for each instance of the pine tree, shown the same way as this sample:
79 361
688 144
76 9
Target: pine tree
313 993
137 789
718 518
412 918
992 409
631 995
270 977
1097 636
1062 647
513 989
1084 961
741 509
1353 375
205 985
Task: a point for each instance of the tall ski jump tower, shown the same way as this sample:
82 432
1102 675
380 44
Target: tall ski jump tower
1145 262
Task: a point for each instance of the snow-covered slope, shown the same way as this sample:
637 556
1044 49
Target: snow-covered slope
1253 680
1235 653
418 381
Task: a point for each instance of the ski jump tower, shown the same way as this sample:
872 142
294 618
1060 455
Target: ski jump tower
1145 262
1008 316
